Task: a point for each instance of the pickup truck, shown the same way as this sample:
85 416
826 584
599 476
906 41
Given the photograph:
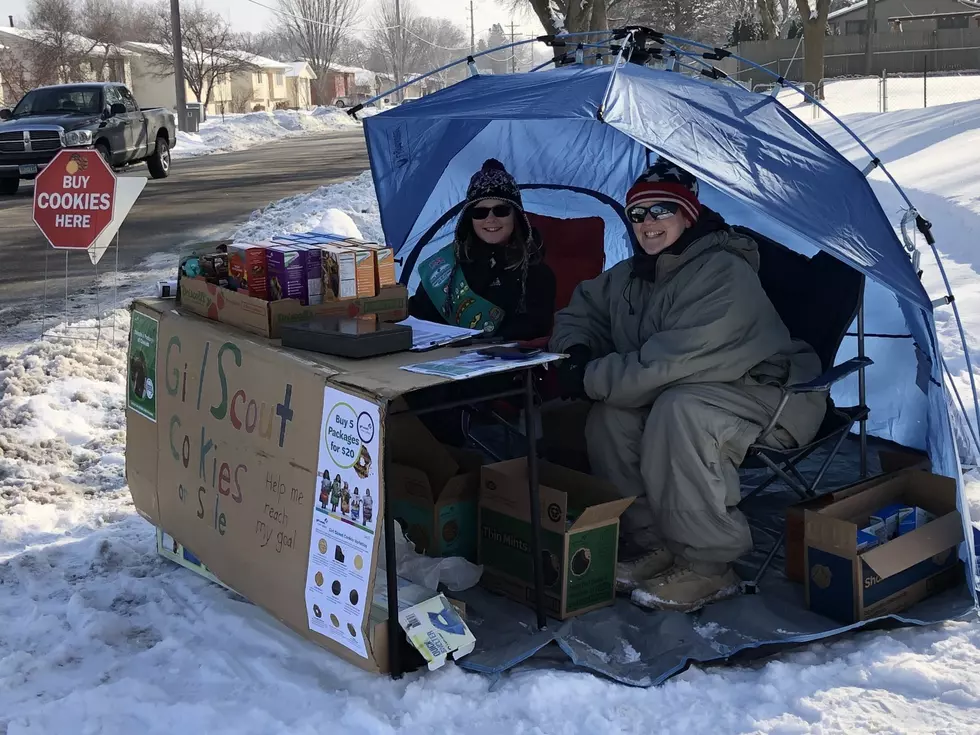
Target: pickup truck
103 116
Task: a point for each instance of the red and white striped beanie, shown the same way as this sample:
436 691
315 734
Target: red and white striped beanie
667 182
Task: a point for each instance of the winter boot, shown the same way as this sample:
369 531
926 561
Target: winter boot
630 574
688 587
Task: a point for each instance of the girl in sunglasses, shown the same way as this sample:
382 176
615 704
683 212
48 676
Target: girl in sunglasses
686 359
492 277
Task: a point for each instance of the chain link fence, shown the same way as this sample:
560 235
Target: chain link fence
884 93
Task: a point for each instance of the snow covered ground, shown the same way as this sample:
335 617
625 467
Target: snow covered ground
102 636
238 132
870 94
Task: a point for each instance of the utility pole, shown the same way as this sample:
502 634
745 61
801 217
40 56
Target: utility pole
472 31
399 46
513 50
179 82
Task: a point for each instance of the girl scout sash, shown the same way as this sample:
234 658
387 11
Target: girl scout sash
469 309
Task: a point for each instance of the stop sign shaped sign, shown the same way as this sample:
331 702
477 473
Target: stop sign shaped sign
74 198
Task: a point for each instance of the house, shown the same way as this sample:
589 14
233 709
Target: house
154 83
336 87
30 58
919 15
299 78
263 87
364 83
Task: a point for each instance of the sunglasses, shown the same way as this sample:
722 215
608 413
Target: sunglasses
500 210
664 210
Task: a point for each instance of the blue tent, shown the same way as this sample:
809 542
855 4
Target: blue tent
575 139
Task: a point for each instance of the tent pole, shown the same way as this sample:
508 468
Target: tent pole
862 388
468 58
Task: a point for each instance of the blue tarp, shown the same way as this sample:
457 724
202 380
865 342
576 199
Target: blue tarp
576 138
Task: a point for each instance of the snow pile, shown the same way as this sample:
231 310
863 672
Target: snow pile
355 199
337 222
238 132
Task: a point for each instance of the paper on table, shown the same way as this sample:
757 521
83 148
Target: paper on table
432 334
472 364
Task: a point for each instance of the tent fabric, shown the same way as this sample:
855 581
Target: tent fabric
747 146
576 138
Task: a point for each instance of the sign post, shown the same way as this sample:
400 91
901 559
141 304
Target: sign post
74 198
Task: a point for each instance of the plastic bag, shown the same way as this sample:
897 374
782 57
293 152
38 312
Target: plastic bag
455 572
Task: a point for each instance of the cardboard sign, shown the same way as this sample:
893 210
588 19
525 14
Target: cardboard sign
344 523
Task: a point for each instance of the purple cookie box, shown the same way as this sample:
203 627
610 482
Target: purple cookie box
287 273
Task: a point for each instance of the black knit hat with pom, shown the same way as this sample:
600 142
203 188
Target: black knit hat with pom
493 182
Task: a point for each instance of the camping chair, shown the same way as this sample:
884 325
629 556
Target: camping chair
818 299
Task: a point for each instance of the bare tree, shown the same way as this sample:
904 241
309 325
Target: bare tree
317 28
814 35
389 41
212 51
353 51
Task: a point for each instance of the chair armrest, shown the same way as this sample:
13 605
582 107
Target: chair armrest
836 373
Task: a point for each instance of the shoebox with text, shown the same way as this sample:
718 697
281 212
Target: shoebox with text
850 585
263 318
433 490
891 463
579 536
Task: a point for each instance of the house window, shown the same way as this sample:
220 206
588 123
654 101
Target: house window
855 27
258 77
280 79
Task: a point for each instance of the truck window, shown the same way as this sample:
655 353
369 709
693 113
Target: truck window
112 96
128 100
60 100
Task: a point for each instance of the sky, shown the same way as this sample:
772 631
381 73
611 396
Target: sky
250 17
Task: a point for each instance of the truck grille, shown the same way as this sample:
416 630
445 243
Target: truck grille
41 140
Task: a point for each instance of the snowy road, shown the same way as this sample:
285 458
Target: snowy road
205 197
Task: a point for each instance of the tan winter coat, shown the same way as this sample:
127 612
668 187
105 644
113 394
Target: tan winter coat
704 319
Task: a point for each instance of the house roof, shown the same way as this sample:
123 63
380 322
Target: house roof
265 63
36 35
153 48
300 69
864 3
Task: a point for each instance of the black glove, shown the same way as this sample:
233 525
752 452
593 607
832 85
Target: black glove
571 371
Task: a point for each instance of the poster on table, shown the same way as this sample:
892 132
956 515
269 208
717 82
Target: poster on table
344 521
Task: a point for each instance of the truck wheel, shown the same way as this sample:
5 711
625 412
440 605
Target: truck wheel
159 161
103 150
8 187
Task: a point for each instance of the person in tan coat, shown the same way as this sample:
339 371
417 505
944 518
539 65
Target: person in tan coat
685 358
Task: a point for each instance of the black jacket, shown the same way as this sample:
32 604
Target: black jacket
487 275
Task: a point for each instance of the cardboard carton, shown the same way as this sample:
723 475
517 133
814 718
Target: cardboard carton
795 526
433 490
579 536
314 274
264 317
849 586
348 272
231 458
287 273
247 267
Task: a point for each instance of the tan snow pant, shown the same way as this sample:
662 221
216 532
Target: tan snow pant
681 456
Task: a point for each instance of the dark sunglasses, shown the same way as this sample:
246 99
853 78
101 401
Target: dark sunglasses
500 210
664 210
